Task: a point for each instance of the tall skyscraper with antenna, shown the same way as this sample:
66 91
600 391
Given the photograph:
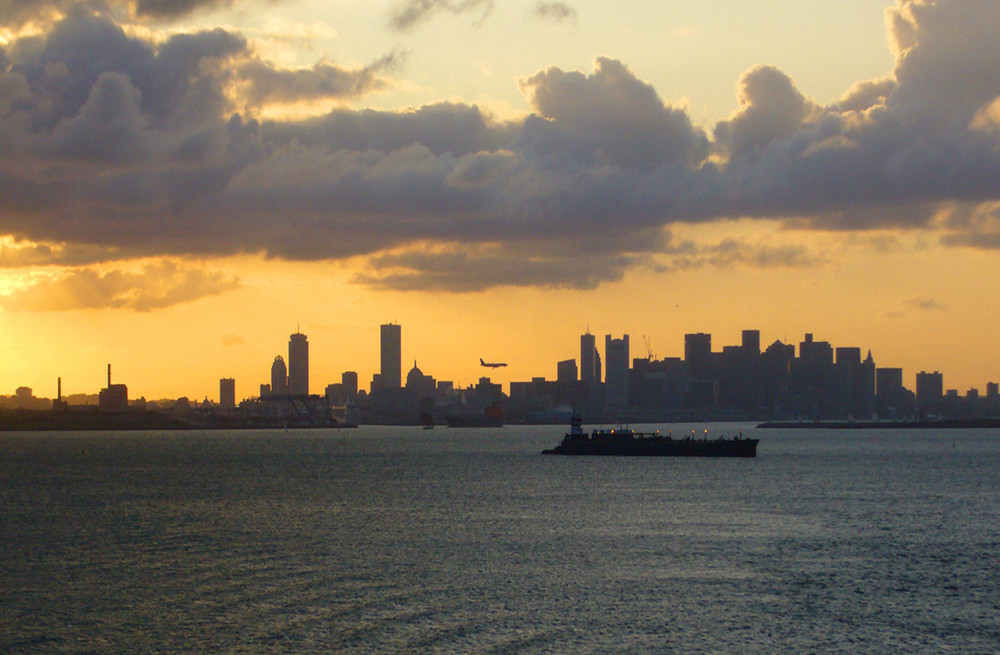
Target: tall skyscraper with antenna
392 360
298 365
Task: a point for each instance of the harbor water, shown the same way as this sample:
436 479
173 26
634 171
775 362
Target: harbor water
402 540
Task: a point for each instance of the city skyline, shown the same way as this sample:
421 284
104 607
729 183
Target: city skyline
696 353
181 182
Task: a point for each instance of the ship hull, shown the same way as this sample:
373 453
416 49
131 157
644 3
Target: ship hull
656 447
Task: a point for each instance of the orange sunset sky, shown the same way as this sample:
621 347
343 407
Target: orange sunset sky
185 184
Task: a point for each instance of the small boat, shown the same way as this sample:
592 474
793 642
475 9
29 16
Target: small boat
626 442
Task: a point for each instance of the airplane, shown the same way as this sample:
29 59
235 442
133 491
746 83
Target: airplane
491 364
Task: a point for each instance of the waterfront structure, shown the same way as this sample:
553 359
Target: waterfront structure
227 393
114 397
298 365
391 363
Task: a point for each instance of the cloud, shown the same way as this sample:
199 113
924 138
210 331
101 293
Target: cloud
771 108
608 118
925 304
156 286
17 13
265 83
162 9
733 252
114 148
406 14
555 11
15 254
462 271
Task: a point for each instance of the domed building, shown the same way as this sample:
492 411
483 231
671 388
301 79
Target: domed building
419 384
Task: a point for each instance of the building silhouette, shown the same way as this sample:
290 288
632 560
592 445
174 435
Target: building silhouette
930 390
227 393
349 382
697 354
298 365
391 365
279 377
616 387
566 371
589 359
112 398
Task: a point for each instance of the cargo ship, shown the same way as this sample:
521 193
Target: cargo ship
627 442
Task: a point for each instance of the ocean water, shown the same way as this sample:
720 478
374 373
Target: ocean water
401 540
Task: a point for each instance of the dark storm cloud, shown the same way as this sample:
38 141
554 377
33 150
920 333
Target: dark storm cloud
16 13
555 11
21 255
732 252
408 13
175 8
469 272
111 144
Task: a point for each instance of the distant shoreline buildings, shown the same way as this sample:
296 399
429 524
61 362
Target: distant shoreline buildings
815 381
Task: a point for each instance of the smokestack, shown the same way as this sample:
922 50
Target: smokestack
59 389
109 376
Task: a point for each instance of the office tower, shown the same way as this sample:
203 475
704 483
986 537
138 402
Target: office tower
930 388
349 380
227 393
818 352
616 374
588 361
566 371
279 377
697 353
392 360
751 342
298 365
888 384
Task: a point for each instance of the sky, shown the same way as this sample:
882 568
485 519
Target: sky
183 184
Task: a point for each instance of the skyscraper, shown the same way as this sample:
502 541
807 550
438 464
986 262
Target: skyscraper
392 361
349 379
616 373
697 352
298 365
227 393
588 351
930 389
279 377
